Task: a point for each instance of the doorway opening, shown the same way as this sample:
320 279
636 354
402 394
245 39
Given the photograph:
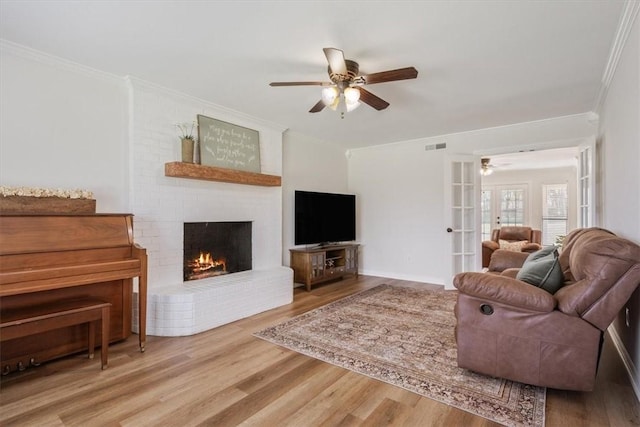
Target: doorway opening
538 189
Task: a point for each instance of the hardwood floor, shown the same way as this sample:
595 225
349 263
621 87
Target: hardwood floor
227 377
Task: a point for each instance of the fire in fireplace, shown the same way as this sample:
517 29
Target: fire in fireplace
216 248
205 264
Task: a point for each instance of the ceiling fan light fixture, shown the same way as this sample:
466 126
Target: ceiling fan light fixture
334 104
351 105
351 95
486 171
329 95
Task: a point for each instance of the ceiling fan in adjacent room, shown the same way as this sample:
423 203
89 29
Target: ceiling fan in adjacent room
347 84
486 168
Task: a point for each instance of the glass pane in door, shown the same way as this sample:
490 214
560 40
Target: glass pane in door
486 214
512 207
586 183
554 213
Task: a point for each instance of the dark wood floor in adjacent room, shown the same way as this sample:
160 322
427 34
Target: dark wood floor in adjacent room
227 377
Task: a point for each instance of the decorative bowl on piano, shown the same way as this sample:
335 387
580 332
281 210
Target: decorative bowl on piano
28 200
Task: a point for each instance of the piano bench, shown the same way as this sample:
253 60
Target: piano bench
22 322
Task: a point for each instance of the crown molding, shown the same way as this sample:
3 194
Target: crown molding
61 63
55 61
588 117
629 14
138 83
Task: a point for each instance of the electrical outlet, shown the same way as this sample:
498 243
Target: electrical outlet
626 317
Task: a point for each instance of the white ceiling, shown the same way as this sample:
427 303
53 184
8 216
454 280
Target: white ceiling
481 63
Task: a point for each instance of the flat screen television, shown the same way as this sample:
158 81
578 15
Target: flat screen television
324 218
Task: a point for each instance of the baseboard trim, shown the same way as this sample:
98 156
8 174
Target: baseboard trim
409 277
626 360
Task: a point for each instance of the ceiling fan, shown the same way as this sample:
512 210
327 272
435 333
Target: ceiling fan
347 84
486 168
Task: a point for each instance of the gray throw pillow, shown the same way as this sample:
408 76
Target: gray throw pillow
542 269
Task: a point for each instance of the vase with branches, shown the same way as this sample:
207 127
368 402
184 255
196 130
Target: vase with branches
187 136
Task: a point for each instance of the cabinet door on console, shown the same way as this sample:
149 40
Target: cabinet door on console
351 259
318 263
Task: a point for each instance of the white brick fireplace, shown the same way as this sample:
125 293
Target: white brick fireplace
163 204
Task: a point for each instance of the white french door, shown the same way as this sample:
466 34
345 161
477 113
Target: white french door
586 184
503 205
462 190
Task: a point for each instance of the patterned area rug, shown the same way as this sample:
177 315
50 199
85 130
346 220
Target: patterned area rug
405 337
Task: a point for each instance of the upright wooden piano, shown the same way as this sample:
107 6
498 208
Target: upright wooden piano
45 258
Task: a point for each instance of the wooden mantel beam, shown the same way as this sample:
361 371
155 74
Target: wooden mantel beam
210 173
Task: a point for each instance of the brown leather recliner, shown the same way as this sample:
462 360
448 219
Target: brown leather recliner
511 234
511 329
506 262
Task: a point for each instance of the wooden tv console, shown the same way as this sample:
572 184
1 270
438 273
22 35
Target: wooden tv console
320 264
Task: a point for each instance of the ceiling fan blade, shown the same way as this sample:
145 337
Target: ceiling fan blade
318 107
300 84
372 100
335 57
391 75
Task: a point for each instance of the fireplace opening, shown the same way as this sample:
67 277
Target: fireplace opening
216 248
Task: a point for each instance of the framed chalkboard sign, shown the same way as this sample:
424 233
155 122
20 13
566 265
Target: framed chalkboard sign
226 145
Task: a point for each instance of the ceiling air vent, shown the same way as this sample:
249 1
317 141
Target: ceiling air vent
440 146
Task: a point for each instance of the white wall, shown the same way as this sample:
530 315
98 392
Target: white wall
63 126
620 139
620 146
535 179
400 225
310 165
402 188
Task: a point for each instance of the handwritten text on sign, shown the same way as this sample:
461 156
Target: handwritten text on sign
226 145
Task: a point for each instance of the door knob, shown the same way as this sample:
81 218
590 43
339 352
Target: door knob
449 230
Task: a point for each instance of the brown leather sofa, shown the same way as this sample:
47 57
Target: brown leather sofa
511 329
511 234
